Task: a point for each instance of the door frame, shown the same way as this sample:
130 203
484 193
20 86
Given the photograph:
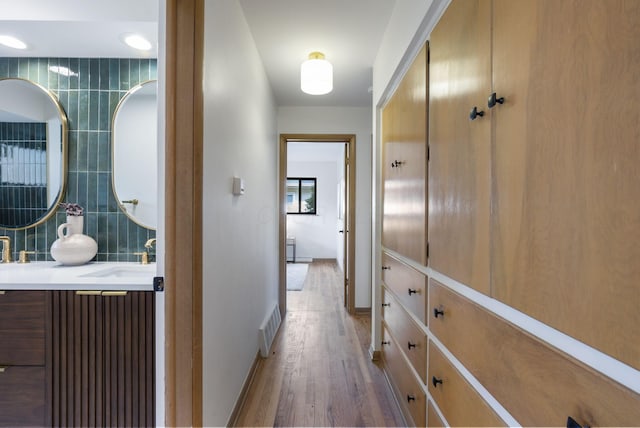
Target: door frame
349 225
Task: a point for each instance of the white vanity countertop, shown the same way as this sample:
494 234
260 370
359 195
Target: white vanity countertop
91 276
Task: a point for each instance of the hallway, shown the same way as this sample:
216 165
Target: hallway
320 372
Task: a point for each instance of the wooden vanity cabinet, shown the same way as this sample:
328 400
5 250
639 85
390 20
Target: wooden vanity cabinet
103 359
77 360
23 375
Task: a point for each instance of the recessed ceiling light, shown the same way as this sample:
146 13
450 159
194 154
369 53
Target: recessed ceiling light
64 71
137 42
12 42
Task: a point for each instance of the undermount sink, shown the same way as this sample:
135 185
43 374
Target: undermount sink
123 271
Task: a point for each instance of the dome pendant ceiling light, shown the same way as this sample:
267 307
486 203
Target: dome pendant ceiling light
316 75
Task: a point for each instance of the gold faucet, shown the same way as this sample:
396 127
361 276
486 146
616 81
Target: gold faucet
6 249
144 259
144 255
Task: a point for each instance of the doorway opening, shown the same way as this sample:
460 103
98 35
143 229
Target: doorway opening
297 197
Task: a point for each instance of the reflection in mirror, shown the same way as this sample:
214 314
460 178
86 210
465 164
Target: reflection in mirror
135 154
33 147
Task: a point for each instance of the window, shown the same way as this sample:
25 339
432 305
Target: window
301 195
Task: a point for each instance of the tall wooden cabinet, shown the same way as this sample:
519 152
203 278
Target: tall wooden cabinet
460 165
566 195
530 310
404 239
404 165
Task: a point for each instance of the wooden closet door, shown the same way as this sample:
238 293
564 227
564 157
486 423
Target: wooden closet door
460 167
404 145
567 177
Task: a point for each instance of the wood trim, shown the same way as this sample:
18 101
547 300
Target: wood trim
362 311
317 138
183 213
244 392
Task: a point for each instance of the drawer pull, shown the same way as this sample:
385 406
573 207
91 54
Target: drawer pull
436 381
386 267
386 304
493 100
411 398
475 113
411 345
386 343
572 423
396 164
114 293
88 292
412 291
438 312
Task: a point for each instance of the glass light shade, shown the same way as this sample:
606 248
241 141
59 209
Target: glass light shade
316 75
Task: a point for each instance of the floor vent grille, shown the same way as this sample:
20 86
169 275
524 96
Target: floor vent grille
268 331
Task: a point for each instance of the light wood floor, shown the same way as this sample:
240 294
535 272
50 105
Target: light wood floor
320 372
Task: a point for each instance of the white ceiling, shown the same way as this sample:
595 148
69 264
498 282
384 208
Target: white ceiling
348 32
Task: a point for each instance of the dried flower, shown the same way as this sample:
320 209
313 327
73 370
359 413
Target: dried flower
72 209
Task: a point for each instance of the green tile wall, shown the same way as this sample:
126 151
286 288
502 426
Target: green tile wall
89 99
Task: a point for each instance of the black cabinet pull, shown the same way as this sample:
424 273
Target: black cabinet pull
386 267
385 343
411 345
572 423
396 164
492 101
437 312
412 291
436 381
386 304
411 398
475 113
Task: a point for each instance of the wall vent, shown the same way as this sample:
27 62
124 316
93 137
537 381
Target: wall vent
268 331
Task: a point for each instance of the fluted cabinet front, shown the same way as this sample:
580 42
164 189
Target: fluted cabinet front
102 359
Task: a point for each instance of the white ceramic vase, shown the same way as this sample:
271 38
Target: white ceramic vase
73 247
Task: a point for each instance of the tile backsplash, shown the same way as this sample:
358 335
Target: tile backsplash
89 95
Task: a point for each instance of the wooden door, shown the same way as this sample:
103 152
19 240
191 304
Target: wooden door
346 259
460 167
566 202
404 145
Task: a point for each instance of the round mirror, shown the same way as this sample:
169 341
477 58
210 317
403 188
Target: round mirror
135 154
33 153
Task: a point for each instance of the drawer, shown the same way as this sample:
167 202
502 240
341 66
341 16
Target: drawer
406 333
459 403
22 396
407 283
433 419
410 394
536 383
22 327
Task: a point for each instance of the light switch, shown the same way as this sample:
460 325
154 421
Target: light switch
238 186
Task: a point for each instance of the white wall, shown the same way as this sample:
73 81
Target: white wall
240 238
315 234
344 120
